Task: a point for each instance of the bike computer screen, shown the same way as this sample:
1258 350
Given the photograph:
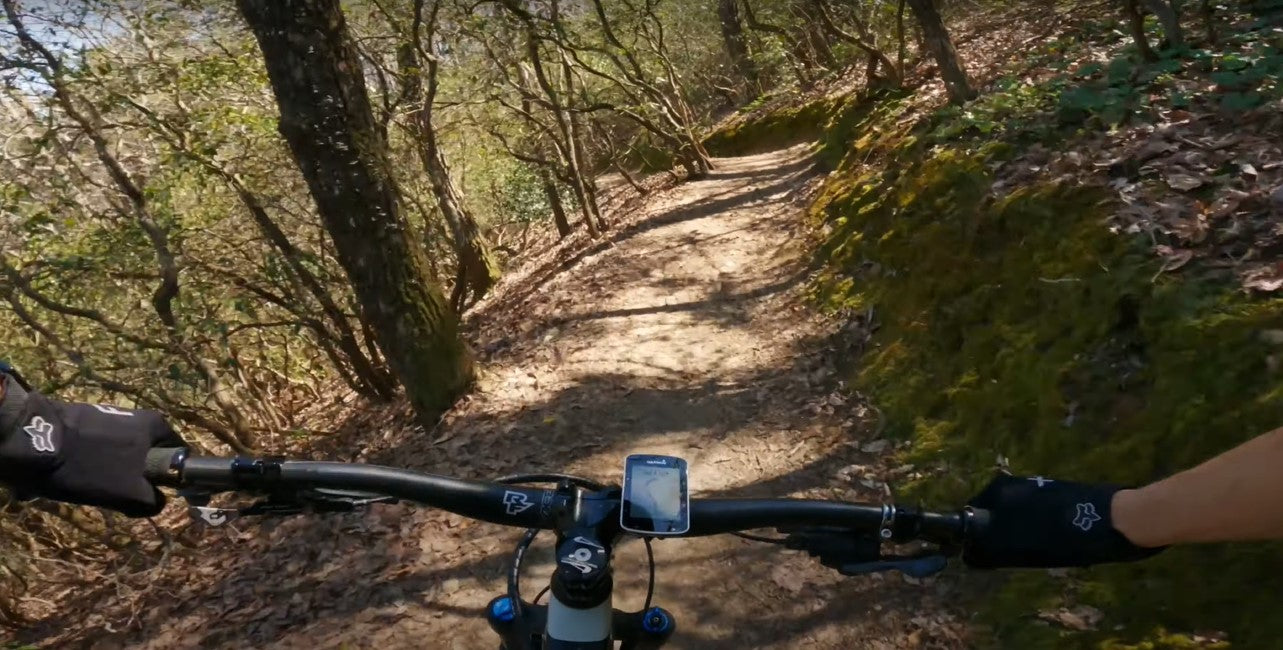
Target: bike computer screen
656 498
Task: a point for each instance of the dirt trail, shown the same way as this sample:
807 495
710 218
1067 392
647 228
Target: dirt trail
685 333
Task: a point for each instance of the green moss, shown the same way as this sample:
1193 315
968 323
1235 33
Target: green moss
1021 326
863 126
769 130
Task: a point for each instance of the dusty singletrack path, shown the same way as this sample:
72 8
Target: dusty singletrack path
683 333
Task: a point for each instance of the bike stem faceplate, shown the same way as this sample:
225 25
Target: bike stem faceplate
579 615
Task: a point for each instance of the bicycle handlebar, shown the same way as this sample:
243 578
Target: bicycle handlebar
492 502
510 505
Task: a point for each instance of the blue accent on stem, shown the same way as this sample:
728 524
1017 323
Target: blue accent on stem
656 621
501 610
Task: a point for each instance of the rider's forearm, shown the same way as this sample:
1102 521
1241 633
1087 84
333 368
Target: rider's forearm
1233 497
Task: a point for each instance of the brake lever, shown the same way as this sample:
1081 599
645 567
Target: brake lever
198 508
212 517
282 504
328 500
919 566
851 553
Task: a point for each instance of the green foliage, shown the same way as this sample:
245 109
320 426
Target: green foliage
520 195
1016 106
1247 77
644 154
239 306
1108 94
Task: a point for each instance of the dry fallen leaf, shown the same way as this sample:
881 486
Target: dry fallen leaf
1153 149
1172 259
1227 203
875 446
852 472
1081 617
1184 182
1265 284
788 578
1267 279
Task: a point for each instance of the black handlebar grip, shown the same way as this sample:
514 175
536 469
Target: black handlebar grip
976 521
164 464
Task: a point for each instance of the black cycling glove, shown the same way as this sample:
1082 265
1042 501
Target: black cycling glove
1041 523
80 453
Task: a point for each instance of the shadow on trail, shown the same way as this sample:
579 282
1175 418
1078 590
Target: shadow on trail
803 164
721 307
743 195
756 185
367 567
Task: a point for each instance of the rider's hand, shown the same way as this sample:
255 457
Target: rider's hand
80 453
1038 522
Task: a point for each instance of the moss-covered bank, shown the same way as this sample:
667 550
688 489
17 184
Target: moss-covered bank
758 131
1020 326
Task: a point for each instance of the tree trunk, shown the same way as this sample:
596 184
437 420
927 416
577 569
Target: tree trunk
533 75
577 135
682 117
902 45
612 151
1136 20
866 41
814 36
546 180
1168 14
327 121
802 62
371 379
590 180
554 202
477 265
728 14
1209 20
937 41
578 183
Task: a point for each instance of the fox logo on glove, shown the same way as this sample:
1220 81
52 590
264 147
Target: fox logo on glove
1087 516
41 432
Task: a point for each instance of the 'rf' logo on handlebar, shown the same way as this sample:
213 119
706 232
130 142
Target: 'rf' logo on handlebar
517 502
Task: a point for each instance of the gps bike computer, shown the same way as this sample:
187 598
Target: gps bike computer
656 498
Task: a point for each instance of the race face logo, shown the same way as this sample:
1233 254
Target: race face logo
516 502
41 432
